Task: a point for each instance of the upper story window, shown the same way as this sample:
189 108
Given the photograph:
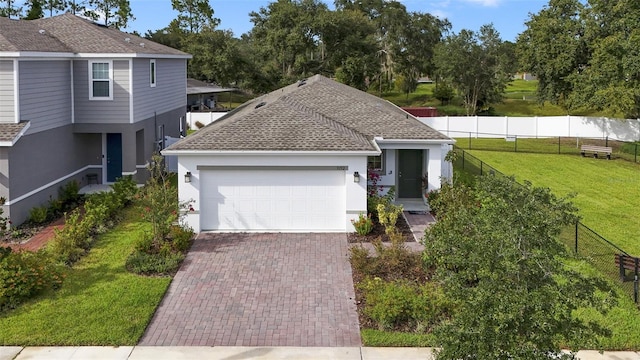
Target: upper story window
100 80
376 163
152 72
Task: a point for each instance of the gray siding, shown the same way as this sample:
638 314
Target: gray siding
45 94
169 93
101 111
7 111
45 158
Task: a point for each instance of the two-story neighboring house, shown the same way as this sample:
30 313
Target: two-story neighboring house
80 101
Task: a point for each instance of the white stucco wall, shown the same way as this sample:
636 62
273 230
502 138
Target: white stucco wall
356 197
433 161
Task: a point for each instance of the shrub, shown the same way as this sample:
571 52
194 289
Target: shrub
72 241
69 195
4 221
363 225
388 215
157 264
199 125
388 303
125 190
24 274
405 304
38 215
54 207
181 238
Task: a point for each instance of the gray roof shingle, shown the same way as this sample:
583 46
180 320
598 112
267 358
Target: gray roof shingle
10 131
317 114
68 33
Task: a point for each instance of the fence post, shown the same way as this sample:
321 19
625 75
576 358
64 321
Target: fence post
469 141
481 162
463 152
558 145
635 154
606 141
576 246
516 143
635 283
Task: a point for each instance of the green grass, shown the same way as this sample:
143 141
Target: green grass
623 319
100 303
371 337
606 190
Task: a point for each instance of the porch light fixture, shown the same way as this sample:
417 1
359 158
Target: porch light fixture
187 177
356 177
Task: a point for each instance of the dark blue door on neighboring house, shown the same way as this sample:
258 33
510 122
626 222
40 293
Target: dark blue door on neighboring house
114 157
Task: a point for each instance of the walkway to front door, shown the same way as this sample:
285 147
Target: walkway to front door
260 290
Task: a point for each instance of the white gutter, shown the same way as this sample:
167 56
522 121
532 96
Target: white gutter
40 55
415 141
268 153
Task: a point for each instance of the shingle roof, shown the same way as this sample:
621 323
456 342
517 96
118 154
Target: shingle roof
10 132
317 114
68 33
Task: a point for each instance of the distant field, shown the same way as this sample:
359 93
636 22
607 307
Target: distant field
520 100
607 191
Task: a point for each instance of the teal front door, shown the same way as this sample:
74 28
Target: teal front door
409 174
114 157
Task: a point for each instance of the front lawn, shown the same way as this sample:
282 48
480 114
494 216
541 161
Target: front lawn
99 303
605 189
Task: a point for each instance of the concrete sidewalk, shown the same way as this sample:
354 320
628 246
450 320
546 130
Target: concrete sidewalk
242 352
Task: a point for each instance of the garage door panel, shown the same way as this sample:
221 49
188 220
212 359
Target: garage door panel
277 200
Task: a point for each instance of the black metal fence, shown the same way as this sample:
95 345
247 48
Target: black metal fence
612 261
629 151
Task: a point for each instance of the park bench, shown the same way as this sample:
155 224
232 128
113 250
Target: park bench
596 150
626 262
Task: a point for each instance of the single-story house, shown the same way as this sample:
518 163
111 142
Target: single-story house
296 160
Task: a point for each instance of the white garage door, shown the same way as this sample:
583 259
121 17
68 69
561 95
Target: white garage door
273 200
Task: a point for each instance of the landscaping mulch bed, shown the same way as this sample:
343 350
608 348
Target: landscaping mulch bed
378 232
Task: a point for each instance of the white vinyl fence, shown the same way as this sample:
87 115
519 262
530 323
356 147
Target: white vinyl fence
205 118
537 126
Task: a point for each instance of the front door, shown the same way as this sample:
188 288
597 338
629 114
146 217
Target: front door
409 174
114 157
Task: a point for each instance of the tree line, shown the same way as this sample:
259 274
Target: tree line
583 52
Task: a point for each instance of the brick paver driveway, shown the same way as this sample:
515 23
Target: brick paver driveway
260 290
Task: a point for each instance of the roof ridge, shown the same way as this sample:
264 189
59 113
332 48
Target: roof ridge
326 121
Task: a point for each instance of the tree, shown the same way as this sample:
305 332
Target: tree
610 80
347 47
285 38
116 13
473 65
34 10
553 48
54 6
496 253
415 45
194 15
10 9
217 56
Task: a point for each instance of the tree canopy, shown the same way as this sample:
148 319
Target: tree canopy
585 55
496 252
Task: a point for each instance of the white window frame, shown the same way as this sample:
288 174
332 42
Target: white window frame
153 73
91 80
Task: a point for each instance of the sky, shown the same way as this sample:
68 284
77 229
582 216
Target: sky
507 16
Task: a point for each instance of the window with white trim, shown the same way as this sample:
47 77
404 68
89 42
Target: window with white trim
100 80
376 163
152 72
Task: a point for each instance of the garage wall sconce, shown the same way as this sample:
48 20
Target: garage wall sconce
187 177
356 177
